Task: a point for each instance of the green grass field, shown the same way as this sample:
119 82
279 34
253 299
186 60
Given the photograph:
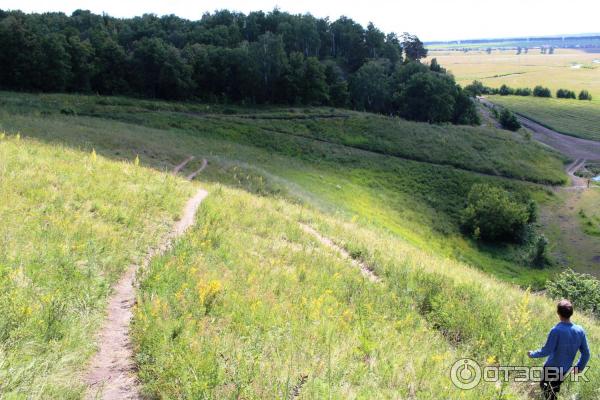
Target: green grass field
300 133
589 213
419 200
246 304
571 117
566 69
71 224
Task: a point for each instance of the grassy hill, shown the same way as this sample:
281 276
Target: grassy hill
289 130
420 200
246 303
71 223
250 305
571 117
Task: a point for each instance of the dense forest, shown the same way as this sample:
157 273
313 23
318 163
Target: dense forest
273 57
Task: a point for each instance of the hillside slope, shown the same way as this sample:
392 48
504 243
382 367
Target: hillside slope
419 200
72 222
249 304
489 151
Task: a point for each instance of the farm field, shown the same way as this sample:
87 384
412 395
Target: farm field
571 117
566 69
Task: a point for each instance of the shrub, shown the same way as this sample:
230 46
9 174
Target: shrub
585 95
506 91
491 214
67 111
476 89
540 91
565 94
523 92
539 256
582 289
508 120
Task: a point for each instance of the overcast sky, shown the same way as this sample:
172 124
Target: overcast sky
429 19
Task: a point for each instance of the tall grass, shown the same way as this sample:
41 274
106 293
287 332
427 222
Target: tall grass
418 200
488 318
71 222
247 305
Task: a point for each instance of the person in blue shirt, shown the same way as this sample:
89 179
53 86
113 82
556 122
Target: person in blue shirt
564 340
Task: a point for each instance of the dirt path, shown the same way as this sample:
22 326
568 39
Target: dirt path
569 145
195 173
572 147
364 268
111 373
487 118
179 167
576 181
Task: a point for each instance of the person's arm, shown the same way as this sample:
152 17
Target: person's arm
585 354
548 347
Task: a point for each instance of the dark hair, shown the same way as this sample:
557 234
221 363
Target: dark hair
564 308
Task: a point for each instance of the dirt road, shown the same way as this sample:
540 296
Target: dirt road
572 147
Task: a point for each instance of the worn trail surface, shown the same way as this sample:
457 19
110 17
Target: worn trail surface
571 146
195 173
182 165
364 268
576 181
111 373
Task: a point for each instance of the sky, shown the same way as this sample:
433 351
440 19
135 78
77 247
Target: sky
428 19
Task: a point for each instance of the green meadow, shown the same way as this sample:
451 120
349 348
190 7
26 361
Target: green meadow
71 224
421 200
238 309
246 304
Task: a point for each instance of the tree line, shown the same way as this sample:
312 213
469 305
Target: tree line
477 89
274 58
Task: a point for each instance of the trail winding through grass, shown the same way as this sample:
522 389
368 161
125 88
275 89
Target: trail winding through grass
364 268
111 373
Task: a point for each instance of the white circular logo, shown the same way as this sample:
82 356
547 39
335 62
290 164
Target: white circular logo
465 374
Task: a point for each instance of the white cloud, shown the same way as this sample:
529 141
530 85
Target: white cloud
429 19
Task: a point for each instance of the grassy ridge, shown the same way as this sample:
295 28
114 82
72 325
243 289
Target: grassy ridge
571 117
71 223
289 131
492 321
489 151
419 201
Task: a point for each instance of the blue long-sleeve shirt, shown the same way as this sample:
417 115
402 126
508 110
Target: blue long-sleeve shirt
564 340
